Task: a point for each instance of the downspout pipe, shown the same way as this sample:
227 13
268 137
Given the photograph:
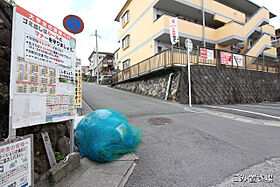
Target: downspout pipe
168 86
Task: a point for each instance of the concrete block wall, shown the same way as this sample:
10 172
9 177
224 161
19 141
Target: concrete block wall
220 85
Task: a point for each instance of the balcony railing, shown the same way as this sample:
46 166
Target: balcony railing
177 57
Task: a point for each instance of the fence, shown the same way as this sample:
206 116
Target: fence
178 57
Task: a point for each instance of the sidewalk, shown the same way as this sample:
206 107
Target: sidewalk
110 174
90 173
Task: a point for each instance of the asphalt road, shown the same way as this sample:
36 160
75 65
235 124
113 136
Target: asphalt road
196 149
265 111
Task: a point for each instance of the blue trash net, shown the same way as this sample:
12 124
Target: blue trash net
105 135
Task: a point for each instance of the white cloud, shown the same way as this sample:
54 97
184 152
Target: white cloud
99 14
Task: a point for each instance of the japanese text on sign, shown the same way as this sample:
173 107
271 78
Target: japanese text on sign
78 88
174 36
16 163
226 58
206 54
42 70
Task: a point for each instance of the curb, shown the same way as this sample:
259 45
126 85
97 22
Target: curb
127 175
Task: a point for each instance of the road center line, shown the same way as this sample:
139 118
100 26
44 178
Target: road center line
256 113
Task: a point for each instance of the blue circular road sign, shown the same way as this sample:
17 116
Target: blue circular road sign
73 24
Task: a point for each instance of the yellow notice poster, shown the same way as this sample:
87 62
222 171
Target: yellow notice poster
78 88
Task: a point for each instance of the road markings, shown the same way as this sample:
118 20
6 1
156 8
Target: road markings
245 111
263 106
244 119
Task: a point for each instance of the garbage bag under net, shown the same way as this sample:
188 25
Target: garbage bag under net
105 135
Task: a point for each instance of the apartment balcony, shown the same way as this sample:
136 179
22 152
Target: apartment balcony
187 29
229 34
235 32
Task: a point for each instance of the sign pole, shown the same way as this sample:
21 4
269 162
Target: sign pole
189 46
72 126
189 77
12 132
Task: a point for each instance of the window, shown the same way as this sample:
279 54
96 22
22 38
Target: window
126 42
126 64
125 18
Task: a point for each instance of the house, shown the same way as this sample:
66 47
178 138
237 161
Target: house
239 26
93 63
107 65
85 70
117 64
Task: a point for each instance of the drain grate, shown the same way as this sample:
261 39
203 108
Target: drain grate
160 121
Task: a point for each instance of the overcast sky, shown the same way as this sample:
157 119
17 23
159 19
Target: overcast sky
100 15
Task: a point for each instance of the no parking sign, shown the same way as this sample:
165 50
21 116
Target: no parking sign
73 24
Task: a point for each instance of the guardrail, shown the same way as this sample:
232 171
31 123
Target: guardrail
178 57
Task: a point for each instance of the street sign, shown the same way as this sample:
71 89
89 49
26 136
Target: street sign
174 36
188 44
73 24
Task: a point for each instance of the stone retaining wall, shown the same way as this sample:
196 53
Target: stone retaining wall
155 85
59 136
210 85
6 14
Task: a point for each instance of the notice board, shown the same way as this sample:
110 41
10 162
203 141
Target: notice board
16 162
43 59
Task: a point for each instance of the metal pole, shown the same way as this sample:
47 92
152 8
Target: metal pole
97 79
72 126
263 67
203 19
189 77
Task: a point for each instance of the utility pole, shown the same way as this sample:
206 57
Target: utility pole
97 67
